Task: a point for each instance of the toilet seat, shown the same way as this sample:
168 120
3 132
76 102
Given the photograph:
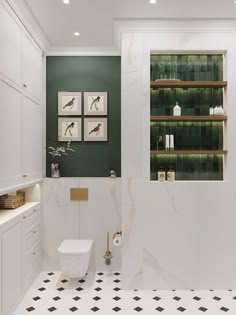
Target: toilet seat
75 247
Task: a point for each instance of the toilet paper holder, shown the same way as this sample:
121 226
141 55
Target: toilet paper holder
117 234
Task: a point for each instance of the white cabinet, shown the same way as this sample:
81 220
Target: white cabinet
20 254
10 134
31 67
31 139
10 52
11 268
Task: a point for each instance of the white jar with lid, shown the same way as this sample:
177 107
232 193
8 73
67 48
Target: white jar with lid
177 110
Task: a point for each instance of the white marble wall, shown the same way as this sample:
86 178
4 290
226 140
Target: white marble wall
179 235
65 219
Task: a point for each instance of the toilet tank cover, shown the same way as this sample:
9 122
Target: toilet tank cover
75 247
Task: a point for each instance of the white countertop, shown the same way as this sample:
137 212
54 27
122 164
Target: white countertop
7 215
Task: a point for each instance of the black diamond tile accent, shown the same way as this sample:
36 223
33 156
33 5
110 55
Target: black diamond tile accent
46 281
116 298
52 309
203 309
116 281
117 289
197 298
73 309
50 273
42 289
60 289
177 298
225 309
64 281
135 290
97 298
116 309
100 273
157 298
137 298
76 298
234 297
160 309
30 309
56 298
181 309
98 289
138 309
95 309
82 281
79 289
217 298
116 273
36 298
99 281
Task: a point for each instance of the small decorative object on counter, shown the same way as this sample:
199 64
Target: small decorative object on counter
177 110
161 175
172 145
160 143
55 170
112 174
211 111
171 175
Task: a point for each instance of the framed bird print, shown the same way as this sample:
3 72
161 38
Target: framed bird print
95 103
69 129
95 129
69 103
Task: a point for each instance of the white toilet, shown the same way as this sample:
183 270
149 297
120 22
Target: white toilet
75 257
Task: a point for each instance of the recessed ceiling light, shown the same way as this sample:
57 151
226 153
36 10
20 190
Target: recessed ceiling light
76 33
66 1
152 1
235 1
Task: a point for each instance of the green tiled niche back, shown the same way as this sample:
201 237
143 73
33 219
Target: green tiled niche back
187 67
189 167
193 101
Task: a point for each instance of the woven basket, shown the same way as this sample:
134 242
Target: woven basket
12 202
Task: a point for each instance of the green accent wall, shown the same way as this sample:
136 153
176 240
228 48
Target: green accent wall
85 74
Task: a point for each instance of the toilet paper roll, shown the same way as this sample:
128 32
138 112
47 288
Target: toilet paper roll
117 240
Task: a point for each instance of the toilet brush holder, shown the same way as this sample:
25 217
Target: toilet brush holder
108 255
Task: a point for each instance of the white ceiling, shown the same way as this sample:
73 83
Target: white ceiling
94 18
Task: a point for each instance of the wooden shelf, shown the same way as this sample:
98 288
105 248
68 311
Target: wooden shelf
187 84
189 118
188 152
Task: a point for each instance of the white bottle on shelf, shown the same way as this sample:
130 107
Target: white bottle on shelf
177 110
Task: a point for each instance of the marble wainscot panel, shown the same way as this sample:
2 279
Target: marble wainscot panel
178 235
66 219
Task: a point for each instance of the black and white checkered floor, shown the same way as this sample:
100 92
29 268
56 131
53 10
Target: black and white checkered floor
101 293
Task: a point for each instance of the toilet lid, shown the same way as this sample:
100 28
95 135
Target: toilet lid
75 247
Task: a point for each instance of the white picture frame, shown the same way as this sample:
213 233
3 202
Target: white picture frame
69 129
69 103
95 129
95 103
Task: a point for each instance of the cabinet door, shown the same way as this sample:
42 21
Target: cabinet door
10 52
31 68
31 139
11 268
10 134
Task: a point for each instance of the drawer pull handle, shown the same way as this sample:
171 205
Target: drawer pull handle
24 175
34 232
25 85
24 217
34 253
34 210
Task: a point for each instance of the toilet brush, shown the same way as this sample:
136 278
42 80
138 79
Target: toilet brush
108 255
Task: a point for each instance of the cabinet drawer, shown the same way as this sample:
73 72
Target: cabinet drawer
30 252
30 219
32 259
32 238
